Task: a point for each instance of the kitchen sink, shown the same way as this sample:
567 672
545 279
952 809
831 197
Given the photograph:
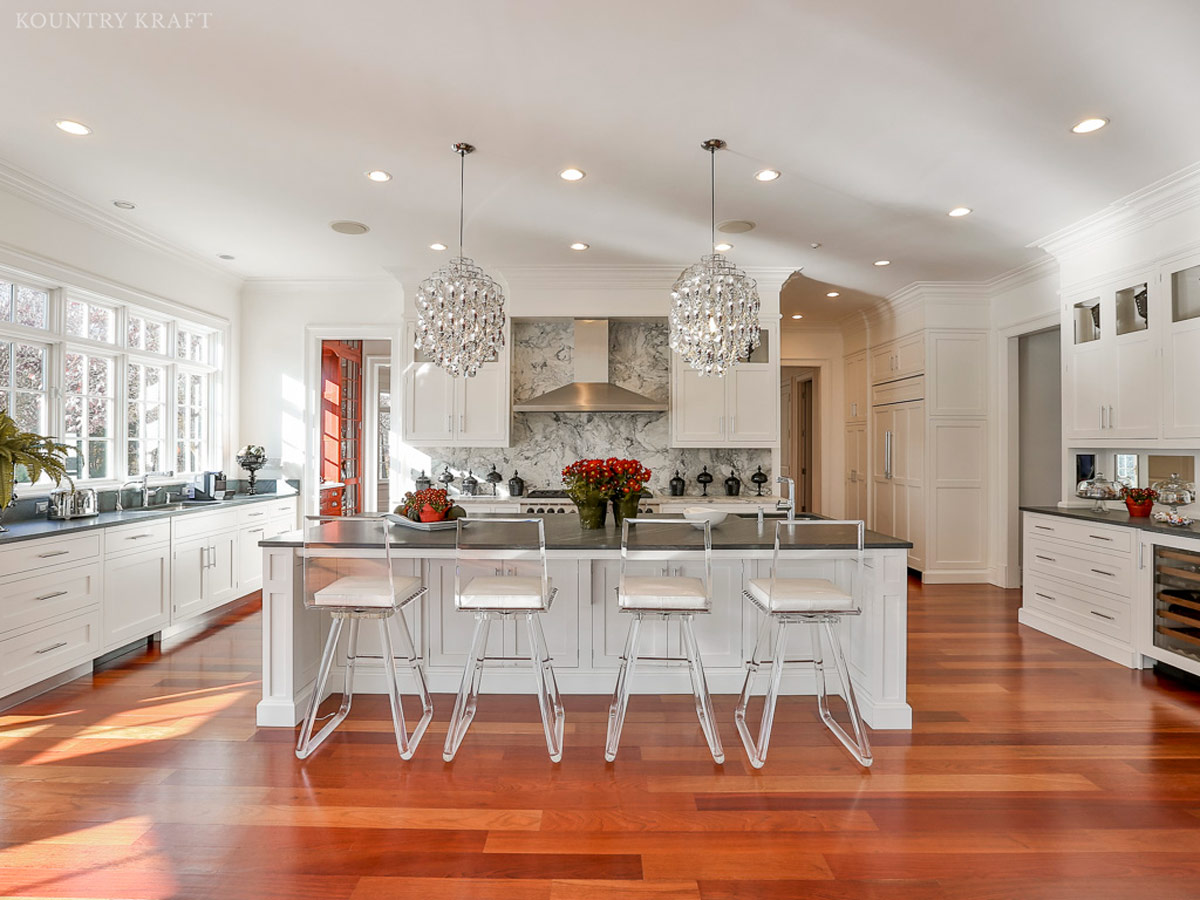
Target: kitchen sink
166 507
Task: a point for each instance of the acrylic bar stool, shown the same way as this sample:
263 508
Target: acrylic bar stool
666 597
354 589
820 604
515 543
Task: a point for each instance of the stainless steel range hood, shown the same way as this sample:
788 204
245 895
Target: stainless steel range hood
591 391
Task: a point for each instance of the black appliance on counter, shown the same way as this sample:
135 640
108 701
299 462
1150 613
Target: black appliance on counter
210 486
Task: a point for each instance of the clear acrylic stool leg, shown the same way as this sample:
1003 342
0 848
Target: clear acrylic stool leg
418 671
552 722
757 749
620 701
306 743
858 745
704 710
468 691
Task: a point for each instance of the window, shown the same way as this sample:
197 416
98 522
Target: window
383 432
24 387
28 306
88 413
93 321
191 421
130 390
146 418
142 333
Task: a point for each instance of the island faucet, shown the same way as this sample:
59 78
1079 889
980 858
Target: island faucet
788 502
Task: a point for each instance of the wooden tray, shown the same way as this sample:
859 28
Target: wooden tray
444 525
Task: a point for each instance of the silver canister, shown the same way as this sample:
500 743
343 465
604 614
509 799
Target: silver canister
78 503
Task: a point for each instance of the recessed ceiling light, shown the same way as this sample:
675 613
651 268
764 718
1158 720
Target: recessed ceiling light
833 294
71 127
347 227
735 226
883 262
723 246
797 316
379 175
959 211
815 245
224 256
766 174
572 174
1087 126
437 245
123 204
579 245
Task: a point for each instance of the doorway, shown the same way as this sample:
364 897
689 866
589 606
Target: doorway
797 415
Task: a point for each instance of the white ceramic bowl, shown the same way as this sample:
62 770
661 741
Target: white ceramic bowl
698 515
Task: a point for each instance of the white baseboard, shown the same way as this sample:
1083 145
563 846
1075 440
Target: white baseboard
955 576
1093 643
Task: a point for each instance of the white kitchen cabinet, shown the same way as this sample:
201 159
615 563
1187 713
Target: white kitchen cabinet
137 595
902 358
256 523
250 557
856 387
897 474
857 469
442 411
1181 347
1111 363
740 409
204 574
29 656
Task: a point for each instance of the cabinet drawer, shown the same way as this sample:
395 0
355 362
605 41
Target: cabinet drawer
1095 611
131 538
59 592
28 658
1110 538
195 524
899 391
33 555
1080 566
257 514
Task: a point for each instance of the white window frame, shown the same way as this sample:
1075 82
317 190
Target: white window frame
113 354
57 341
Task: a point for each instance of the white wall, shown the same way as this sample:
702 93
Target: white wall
57 245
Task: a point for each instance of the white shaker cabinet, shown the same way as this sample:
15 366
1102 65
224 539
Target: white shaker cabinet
739 409
897 474
856 387
443 411
137 595
903 357
856 471
1181 348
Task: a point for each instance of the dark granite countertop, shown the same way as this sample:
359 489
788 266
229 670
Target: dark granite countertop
30 529
1115 517
564 533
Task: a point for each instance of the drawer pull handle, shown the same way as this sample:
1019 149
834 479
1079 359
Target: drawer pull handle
1102 615
53 553
51 596
1102 572
1045 527
137 537
1099 537
252 515
1046 558
52 647
254 531
1044 596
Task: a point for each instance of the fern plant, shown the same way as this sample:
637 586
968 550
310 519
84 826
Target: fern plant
36 453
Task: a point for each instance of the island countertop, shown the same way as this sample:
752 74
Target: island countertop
563 534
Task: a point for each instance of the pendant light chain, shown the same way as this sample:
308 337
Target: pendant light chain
712 185
462 194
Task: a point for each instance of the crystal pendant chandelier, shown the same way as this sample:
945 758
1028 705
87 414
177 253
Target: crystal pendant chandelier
714 305
460 309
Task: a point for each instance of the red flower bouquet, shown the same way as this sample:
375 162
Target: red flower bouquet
429 505
1139 501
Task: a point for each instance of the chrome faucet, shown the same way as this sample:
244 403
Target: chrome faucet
788 502
143 482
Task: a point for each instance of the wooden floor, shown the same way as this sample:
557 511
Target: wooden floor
1035 771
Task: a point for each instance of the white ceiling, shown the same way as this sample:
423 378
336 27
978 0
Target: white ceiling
251 136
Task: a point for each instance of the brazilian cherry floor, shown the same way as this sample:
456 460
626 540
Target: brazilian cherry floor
1035 771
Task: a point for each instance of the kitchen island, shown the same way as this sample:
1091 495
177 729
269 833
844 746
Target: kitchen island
584 629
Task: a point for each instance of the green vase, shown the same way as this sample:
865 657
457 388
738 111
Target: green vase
625 507
593 509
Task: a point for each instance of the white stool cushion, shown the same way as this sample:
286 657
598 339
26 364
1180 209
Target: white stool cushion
663 592
800 595
501 592
366 592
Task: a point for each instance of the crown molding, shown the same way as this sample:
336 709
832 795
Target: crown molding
1023 275
1177 192
282 284
29 187
647 277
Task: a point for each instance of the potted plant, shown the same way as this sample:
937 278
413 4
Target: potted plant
36 453
1139 501
429 505
627 477
589 485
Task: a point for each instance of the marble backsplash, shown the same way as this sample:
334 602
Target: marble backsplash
542 443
